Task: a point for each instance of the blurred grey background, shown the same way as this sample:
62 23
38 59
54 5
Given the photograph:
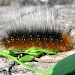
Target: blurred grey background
35 2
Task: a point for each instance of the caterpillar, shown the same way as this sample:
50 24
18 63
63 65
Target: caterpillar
24 27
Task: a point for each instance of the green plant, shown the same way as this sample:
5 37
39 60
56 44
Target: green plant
62 67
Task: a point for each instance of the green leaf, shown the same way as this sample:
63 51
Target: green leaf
26 58
7 51
17 51
63 67
36 51
47 51
30 49
35 54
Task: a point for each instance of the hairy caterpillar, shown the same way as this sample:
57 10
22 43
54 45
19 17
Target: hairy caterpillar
33 26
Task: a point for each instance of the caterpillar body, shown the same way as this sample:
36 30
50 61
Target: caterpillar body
27 26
